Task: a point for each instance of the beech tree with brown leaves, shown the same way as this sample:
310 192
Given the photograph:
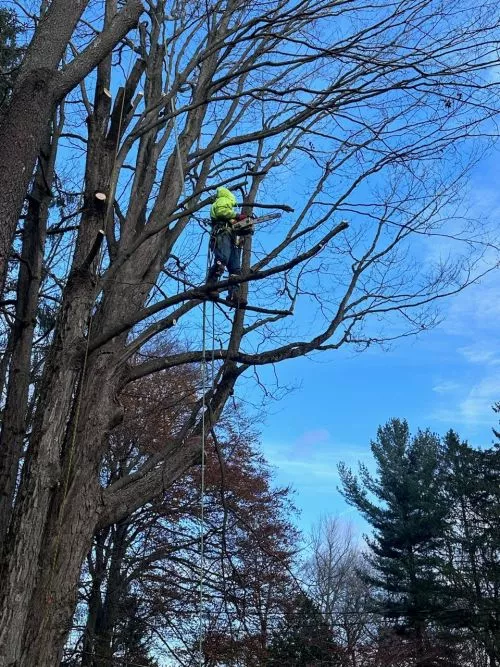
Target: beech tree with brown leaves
375 110
146 568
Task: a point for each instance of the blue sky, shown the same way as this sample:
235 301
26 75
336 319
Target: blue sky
446 378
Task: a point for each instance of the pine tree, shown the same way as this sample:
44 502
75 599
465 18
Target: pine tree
304 639
405 504
473 544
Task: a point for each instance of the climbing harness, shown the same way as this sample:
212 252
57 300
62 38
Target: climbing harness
237 229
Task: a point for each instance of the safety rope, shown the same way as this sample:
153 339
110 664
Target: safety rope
201 603
204 429
202 490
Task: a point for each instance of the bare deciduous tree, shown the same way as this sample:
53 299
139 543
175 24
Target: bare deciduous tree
334 577
368 106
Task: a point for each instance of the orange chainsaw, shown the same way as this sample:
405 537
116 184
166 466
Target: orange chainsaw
243 225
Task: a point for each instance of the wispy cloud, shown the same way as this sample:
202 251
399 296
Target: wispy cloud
447 387
312 459
309 470
474 405
313 472
473 383
313 437
483 352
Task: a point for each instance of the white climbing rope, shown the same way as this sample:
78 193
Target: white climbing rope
202 489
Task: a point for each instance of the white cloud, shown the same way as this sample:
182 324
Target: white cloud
446 387
482 352
474 408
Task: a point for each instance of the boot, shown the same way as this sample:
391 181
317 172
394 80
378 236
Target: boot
215 272
233 295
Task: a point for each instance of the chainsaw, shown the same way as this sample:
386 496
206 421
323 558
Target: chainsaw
242 225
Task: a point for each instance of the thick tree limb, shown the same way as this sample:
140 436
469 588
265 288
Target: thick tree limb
201 292
99 48
39 87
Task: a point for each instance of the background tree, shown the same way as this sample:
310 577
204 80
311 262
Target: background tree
406 505
336 577
140 585
304 638
202 96
472 565
434 509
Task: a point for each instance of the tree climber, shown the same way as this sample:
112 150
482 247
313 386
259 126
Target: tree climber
225 241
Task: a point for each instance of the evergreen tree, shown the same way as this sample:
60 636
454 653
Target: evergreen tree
304 638
133 636
406 506
473 544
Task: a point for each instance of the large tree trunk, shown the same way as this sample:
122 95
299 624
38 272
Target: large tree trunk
24 123
57 522
30 274
21 136
46 547
42 480
39 87
51 531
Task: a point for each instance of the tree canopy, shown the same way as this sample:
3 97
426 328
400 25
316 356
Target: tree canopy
123 119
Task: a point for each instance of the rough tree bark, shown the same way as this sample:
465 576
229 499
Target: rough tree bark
39 86
30 277
245 92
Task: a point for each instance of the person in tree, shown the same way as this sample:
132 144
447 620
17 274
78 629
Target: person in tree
224 240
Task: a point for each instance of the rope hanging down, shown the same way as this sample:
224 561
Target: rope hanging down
202 490
204 429
201 628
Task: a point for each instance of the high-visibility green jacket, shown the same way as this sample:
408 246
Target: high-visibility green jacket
223 206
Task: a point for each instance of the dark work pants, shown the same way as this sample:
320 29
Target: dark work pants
227 252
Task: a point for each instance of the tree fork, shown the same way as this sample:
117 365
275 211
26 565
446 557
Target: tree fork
37 91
